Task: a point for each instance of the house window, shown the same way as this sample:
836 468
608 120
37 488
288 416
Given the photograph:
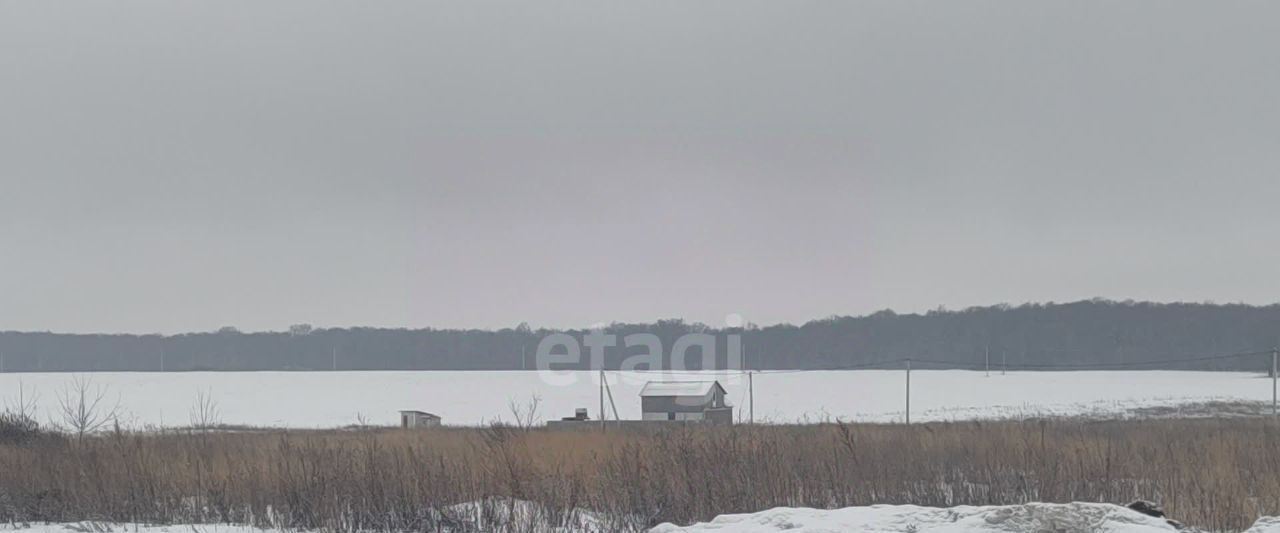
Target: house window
671 416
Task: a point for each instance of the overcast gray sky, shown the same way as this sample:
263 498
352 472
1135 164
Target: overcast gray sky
173 165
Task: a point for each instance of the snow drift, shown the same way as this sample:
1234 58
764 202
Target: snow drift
1029 518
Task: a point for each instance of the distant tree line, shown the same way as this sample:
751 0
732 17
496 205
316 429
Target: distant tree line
1093 332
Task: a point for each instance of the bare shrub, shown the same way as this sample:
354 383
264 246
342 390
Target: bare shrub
18 424
81 410
205 413
16 428
526 416
22 403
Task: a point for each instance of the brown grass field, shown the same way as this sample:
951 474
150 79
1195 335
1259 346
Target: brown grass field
1216 474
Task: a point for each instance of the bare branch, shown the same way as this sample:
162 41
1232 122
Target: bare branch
205 413
527 415
22 404
81 408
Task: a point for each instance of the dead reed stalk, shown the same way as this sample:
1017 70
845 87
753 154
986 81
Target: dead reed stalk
1217 474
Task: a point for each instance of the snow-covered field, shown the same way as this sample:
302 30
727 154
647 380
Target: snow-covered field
1033 517
331 399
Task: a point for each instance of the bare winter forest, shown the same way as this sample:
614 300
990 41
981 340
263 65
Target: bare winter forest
1090 333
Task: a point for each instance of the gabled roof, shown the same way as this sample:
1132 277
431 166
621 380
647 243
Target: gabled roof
679 388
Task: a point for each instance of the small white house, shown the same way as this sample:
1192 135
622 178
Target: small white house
685 400
418 419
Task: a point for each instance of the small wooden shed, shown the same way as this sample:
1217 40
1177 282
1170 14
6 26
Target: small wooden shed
418 419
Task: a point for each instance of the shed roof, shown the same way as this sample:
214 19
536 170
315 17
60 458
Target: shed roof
679 388
411 411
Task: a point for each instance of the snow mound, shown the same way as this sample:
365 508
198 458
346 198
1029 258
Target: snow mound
1032 517
1266 524
499 514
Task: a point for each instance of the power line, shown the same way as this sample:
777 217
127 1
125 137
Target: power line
862 366
686 372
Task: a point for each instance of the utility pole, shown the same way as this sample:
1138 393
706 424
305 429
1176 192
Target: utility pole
751 389
609 390
908 392
524 359
1275 352
988 360
162 359
335 358
1004 362
1 360
602 422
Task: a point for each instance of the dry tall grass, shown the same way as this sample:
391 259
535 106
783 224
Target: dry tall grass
1217 474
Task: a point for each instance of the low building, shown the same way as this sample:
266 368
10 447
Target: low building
418 419
685 401
579 415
